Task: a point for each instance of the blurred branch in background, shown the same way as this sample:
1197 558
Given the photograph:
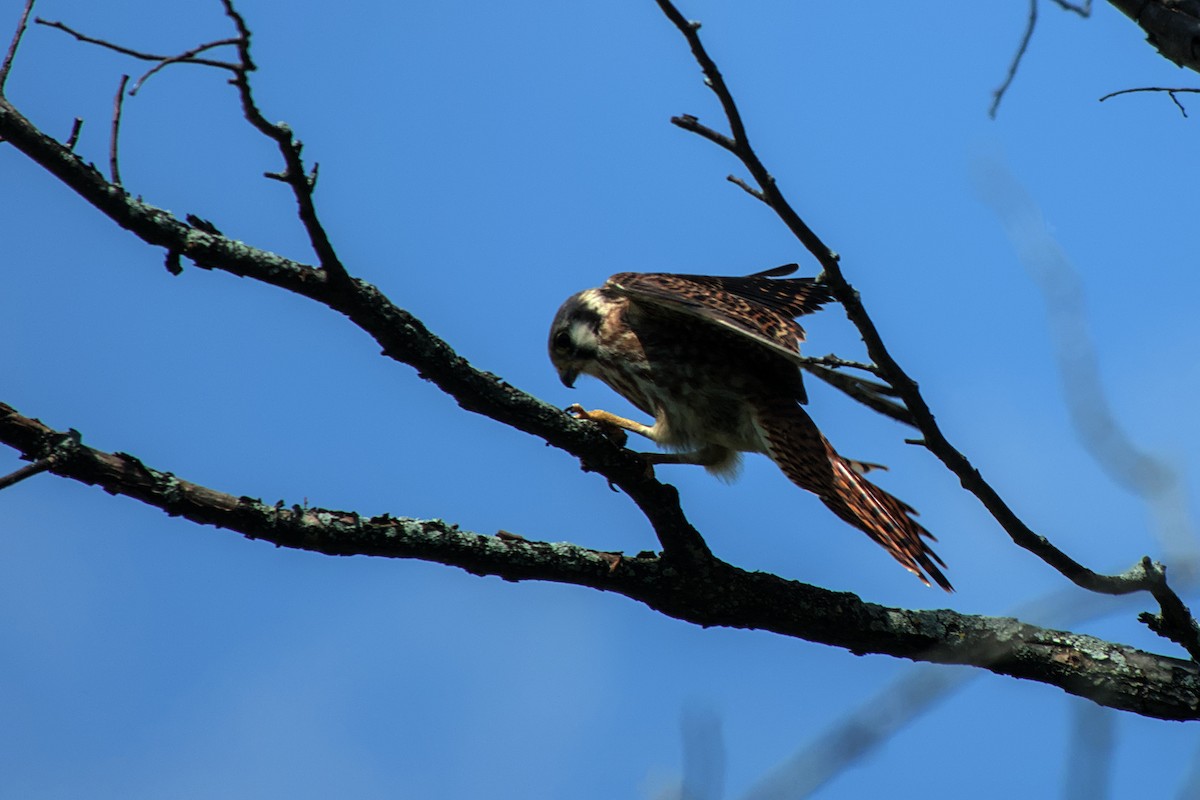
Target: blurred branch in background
1159 485
1130 467
1089 761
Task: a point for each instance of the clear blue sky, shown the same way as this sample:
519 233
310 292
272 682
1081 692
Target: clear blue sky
480 163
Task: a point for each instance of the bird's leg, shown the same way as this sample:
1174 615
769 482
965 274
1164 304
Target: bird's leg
712 456
704 457
611 420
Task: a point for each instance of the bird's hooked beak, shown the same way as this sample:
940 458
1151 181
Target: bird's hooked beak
568 375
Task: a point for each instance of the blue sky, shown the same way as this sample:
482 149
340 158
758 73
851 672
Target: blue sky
480 164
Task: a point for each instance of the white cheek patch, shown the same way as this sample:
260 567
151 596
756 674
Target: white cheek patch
583 337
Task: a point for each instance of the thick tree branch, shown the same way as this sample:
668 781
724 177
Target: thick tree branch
1142 577
717 594
1172 26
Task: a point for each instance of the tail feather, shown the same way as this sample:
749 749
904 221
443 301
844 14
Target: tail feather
809 461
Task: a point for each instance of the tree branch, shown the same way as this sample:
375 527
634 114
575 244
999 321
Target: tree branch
1172 26
1138 578
1113 675
1015 64
1171 92
11 53
185 58
114 169
401 336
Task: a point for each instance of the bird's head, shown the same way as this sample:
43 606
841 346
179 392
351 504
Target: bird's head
575 335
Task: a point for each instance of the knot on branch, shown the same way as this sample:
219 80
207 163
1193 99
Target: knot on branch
60 448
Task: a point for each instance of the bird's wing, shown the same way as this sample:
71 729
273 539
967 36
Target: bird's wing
757 307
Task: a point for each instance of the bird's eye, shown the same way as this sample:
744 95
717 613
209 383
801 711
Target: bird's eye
562 341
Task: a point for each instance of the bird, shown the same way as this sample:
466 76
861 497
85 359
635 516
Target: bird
715 360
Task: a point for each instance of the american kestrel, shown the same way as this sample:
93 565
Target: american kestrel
716 360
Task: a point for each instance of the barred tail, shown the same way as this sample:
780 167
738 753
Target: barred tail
809 461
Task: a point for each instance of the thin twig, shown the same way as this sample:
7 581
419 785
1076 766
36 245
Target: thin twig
294 173
874 396
39 466
118 102
1171 92
55 449
998 95
186 57
691 123
14 44
1084 10
747 188
139 54
74 137
837 362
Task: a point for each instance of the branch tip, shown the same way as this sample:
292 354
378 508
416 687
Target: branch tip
18 34
73 138
118 102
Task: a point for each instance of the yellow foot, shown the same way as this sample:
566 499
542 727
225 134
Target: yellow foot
610 424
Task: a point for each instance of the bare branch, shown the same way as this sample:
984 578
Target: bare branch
138 54
294 173
14 44
1170 93
690 123
836 362
73 137
1171 26
55 449
1110 674
1084 10
37 467
747 188
186 57
118 103
871 394
1015 64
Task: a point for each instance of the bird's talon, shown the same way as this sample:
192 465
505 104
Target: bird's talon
609 428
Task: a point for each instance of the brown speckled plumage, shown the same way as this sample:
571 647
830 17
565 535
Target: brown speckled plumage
714 361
